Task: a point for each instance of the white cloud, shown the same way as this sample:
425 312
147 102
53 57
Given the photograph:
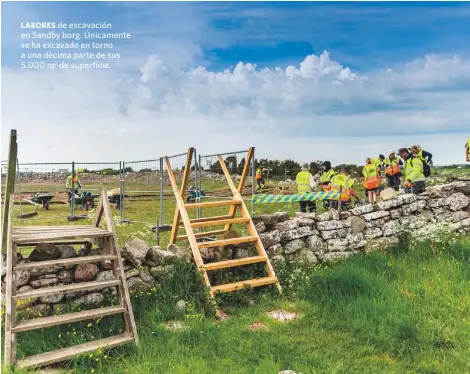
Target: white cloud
318 109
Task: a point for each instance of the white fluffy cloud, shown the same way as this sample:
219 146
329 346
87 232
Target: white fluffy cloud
318 109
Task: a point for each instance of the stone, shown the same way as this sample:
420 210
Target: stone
357 224
381 243
257 326
67 251
315 244
335 234
22 277
135 251
436 203
414 207
296 233
271 219
132 273
270 238
354 238
375 223
364 209
463 224
375 215
243 253
279 259
457 201
146 277
41 272
344 215
260 227
274 250
37 310
138 285
406 199
329 225
182 253
105 275
311 216
282 315
86 272
305 256
413 223
24 303
4 265
159 272
85 251
161 257
293 246
286 225
69 296
372 233
44 252
175 325
305 222
180 306
65 276
323 217
335 245
360 244
441 214
391 228
43 282
94 299
330 257
459 216
396 213
52 299
388 194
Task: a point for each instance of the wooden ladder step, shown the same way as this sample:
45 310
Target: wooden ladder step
56 242
210 204
233 263
240 285
222 242
205 219
231 221
40 323
52 357
202 234
38 292
63 262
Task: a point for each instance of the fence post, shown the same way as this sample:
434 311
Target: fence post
253 178
19 186
121 190
161 191
73 190
199 182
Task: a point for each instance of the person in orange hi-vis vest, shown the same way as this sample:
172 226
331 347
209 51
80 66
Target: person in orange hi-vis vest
392 170
371 180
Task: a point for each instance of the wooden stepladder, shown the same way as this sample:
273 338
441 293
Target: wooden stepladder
33 235
181 214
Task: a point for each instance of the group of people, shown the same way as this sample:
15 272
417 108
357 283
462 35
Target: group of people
411 163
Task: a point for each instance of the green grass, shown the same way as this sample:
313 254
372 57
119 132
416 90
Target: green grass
404 310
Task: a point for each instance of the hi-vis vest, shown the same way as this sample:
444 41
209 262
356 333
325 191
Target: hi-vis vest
468 147
258 174
414 169
74 179
377 162
343 182
393 166
371 179
302 180
325 179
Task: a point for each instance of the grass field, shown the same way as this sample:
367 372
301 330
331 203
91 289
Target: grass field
404 310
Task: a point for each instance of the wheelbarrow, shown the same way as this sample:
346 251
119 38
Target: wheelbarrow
85 199
42 199
115 197
194 193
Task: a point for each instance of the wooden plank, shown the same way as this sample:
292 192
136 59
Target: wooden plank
51 228
98 213
211 204
234 263
205 219
223 242
63 262
245 172
40 323
56 242
10 186
250 226
118 271
36 237
220 222
10 307
202 234
243 284
38 292
63 354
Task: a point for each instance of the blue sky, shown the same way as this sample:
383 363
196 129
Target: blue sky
392 71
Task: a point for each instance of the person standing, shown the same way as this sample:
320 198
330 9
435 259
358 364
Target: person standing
68 184
414 175
467 151
344 183
260 177
325 180
306 184
422 154
371 180
392 170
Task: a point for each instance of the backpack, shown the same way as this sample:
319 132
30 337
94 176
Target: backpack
426 168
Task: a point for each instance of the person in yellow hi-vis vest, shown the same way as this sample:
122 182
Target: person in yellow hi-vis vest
306 184
260 172
371 176
467 151
345 183
68 184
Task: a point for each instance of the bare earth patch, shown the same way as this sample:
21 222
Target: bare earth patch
223 316
282 315
257 326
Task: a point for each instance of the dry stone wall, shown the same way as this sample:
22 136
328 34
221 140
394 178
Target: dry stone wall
306 237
